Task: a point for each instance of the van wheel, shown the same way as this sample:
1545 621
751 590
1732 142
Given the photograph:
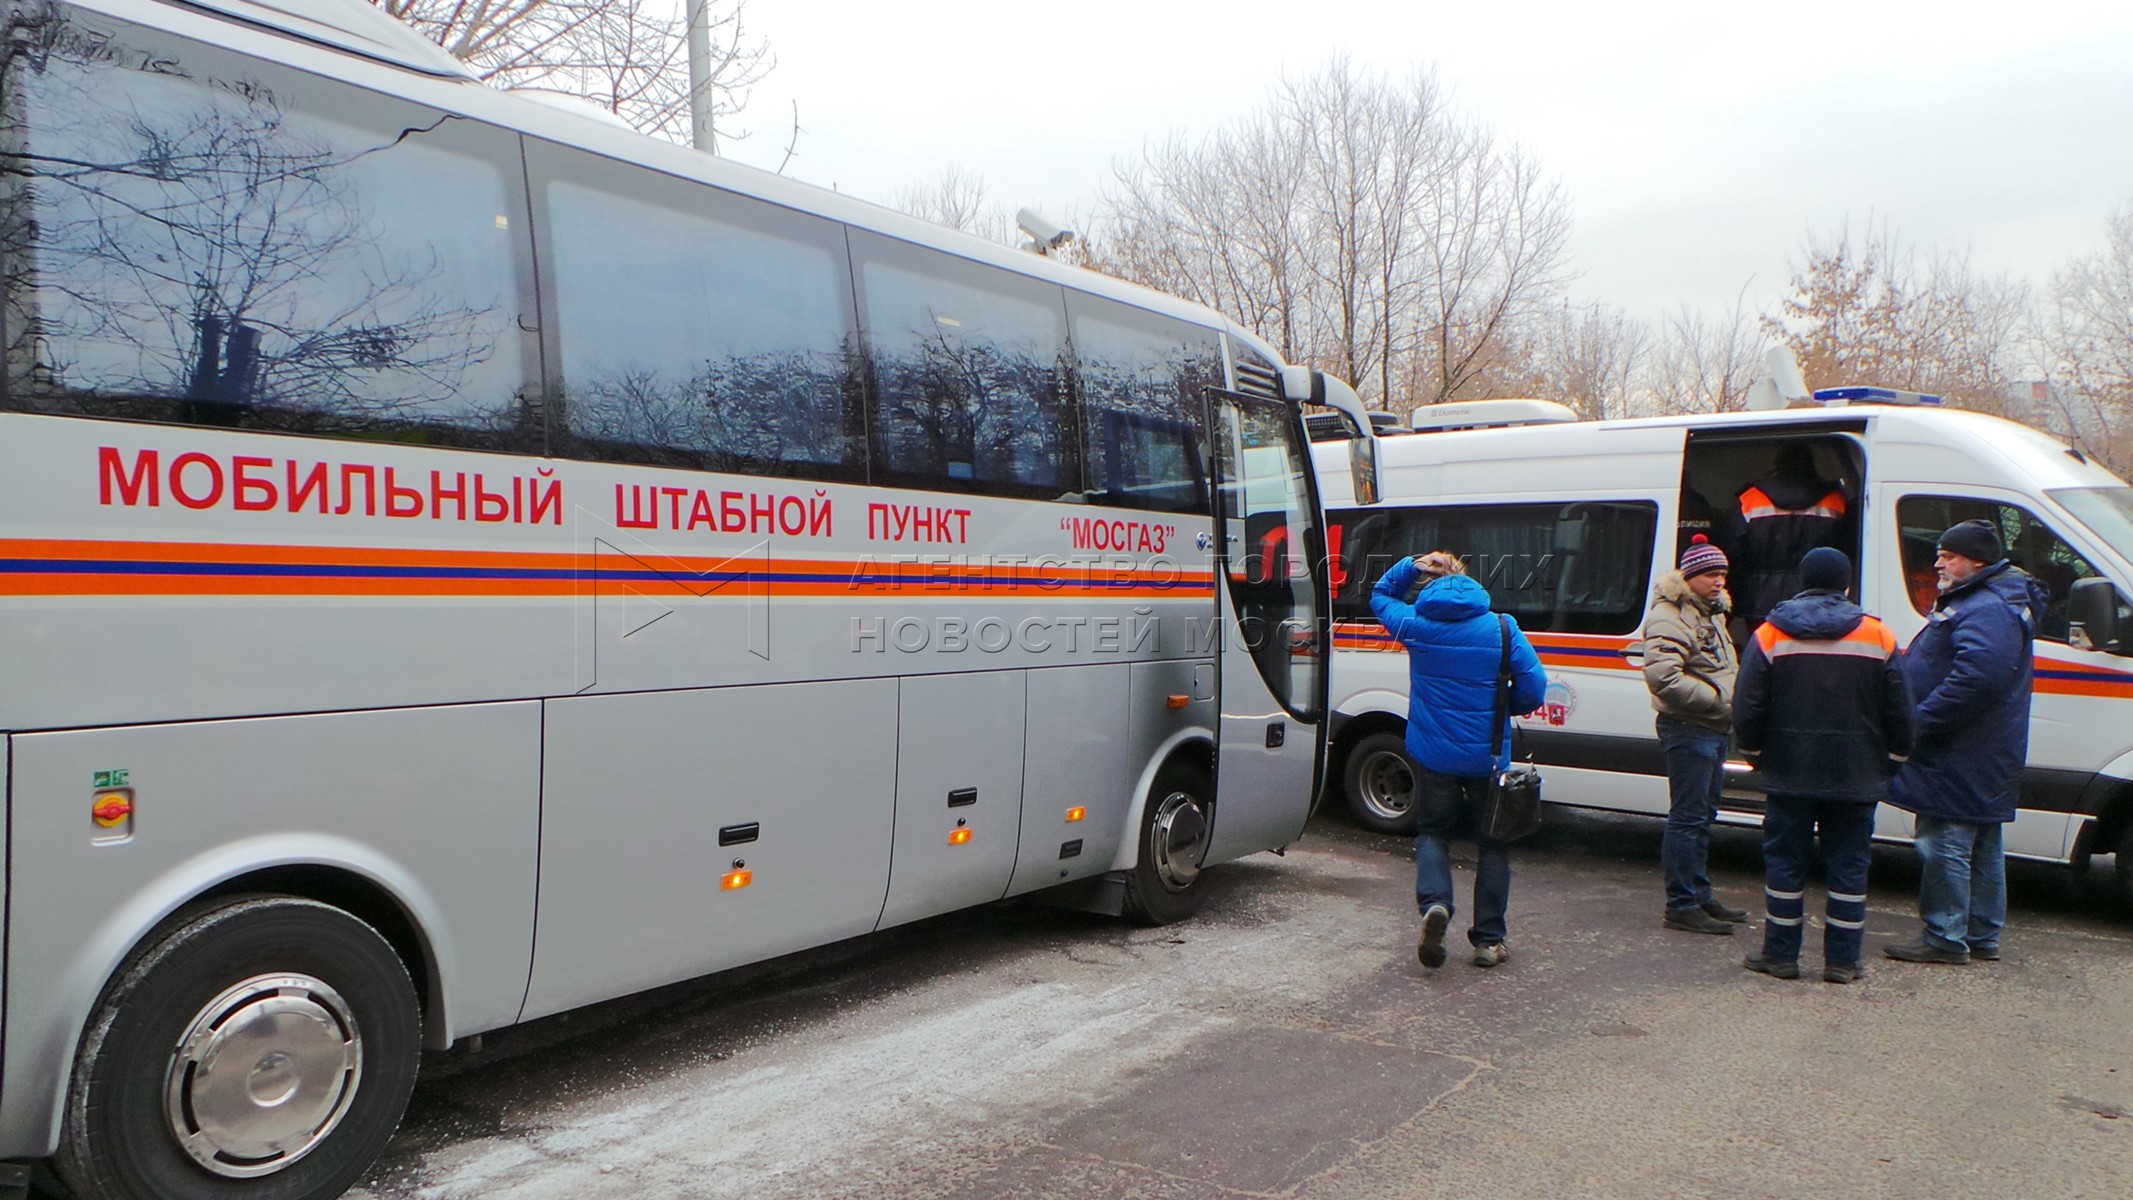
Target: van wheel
1380 784
2123 864
1164 884
265 1046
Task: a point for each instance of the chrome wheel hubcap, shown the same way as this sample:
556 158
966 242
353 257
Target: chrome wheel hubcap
263 1074
1178 838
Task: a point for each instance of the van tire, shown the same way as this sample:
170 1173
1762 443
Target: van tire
309 991
1378 782
1168 879
2122 865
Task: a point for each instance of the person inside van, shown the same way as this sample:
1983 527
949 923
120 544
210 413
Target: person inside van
1689 665
1455 736
1777 520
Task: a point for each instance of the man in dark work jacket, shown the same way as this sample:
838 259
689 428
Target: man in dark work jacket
1776 522
1822 708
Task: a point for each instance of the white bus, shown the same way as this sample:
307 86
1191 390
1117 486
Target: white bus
460 561
1568 522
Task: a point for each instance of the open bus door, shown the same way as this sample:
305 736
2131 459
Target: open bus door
1273 605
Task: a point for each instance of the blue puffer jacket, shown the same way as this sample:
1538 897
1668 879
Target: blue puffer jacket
1969 669
1453 648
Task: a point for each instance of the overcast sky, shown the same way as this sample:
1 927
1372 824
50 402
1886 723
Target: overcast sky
1697 146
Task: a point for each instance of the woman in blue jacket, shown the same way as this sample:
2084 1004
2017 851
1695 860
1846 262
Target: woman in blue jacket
1454 647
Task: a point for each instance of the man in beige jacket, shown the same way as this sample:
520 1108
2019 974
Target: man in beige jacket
1689 665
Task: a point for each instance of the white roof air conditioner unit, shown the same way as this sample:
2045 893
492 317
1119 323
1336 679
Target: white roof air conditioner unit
1490 414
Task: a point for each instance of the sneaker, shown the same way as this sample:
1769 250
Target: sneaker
1731 916
1985 953
1776 968
1696 920
1491 954
1923 951
1842 972
1430 950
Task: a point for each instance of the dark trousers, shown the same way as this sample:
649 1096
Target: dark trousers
1790 827
1446 806
1695 777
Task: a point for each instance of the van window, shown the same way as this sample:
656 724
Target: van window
2031 545
1558 568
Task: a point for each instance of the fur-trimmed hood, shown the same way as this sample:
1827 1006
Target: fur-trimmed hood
1673 589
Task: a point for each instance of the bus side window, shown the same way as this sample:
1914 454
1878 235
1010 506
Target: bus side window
205 240
969 374
1142 383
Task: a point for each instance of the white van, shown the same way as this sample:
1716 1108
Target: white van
1567 523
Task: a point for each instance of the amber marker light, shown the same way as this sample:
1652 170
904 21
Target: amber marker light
736 879
957 837
1076 813
111 810
1177 700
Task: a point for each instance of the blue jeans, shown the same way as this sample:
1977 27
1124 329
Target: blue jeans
1962 892
1446 805
1789 827
1695 776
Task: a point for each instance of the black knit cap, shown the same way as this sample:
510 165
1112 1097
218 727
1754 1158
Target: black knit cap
1977 541
1825 569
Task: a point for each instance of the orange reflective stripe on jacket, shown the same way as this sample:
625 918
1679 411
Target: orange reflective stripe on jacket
1755 504
1871 639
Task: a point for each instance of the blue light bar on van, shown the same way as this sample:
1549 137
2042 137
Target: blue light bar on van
1872 395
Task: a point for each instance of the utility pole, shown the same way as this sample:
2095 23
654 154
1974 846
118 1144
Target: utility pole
701 134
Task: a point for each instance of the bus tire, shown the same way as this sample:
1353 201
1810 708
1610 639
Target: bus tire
1379 783
1165 884
313 1008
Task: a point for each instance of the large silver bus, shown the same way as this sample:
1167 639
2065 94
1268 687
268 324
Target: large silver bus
460 561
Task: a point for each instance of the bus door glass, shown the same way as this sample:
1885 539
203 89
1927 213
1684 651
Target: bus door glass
1272 659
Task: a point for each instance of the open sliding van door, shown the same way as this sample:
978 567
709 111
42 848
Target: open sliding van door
1272 626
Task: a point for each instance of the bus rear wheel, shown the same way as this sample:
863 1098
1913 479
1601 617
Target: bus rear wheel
1379 782
262 1046
1165 882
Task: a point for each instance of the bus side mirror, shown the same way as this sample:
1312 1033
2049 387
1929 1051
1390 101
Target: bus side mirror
1363 469
2092 612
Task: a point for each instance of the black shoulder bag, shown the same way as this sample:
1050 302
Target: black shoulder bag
1514 809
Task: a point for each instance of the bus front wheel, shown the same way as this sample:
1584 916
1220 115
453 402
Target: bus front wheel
1164 884
261 1046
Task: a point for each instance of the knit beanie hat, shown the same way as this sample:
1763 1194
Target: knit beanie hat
1825 570
1974 540
1701 558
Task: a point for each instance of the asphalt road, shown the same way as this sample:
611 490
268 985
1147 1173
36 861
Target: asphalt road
1286 1044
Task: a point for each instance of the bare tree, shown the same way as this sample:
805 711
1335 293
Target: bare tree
1704 363
1356 223
2087 330
628 56
957 199
1879 313
1592 357
1217 222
